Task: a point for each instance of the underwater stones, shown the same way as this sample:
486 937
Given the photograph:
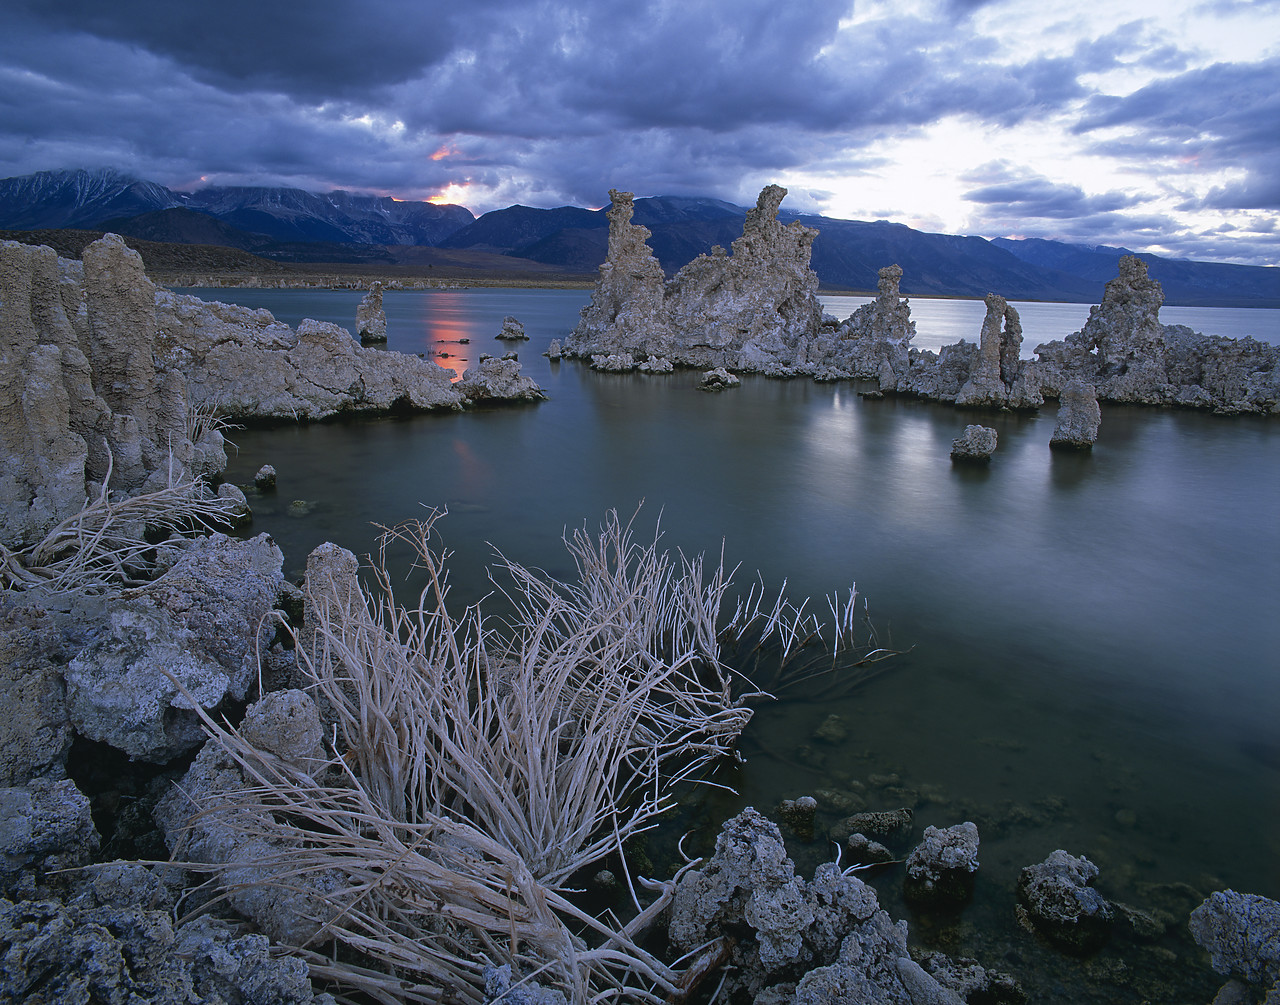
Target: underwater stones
718 379
371 319
889 825
798 815
863 851
832 729
1056 898
265 478
1241 933
1078 418
941 868
975 445
512 330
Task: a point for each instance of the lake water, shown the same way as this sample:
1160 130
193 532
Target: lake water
1094 654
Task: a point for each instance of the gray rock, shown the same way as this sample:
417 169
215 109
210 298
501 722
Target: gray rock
1078 418
745 311
972 982
798 815
975 445
1241 933
941 868
861 850
1059 902
497 380
44 825
512 330
718 379
994 379
201 625
265 479
497 988
37 730
371 319
613 362
890 825
202 822
656 364
554 351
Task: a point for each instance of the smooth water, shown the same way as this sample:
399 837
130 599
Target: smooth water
1094 654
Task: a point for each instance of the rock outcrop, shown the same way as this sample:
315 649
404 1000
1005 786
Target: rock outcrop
1079 417
493 379
37 731
82 395
1129 356
747 310
975 445
874 342
512 330
997 378
371 319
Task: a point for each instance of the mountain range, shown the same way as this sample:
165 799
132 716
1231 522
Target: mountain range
292 225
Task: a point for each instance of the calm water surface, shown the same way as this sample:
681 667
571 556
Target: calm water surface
1094 656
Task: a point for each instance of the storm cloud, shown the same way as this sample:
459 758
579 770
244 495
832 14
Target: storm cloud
503 101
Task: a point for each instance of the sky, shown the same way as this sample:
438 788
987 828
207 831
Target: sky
1149 124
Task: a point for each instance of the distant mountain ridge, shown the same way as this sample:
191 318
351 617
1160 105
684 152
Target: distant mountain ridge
288 224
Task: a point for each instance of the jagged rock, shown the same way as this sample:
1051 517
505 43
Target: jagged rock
743 311
37 731
200 625
975 444
1128 356
798 815
116 944
1059 902
891 825
861 850
497 380
998 367
613 362
1078 418
371 319
718 379
554 351
941 868
80 391
44 825
1241 933
512 330
655 364
202 822
265 479
873 343
972 982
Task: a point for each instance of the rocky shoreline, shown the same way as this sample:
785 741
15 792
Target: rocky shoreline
168 693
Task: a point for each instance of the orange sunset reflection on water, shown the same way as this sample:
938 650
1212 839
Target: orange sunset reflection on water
443 325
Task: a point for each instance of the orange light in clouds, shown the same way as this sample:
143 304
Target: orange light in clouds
448 150
452 194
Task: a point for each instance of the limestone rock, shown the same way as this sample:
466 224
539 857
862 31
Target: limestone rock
554 352
975 445
997 367
202 822
37 731
1241 933
371 319
265 478
798 815
1129 356
116 944
718 379
613 362
1062 905
512 330
742 311
940 869
497 380
656 364
891 825
1078 418
875 340
44 825
203 623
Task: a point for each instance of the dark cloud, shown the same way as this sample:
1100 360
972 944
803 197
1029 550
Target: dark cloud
1018 194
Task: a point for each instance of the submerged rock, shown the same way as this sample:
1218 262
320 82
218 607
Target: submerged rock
975 445
371 319
798 815
1057 899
